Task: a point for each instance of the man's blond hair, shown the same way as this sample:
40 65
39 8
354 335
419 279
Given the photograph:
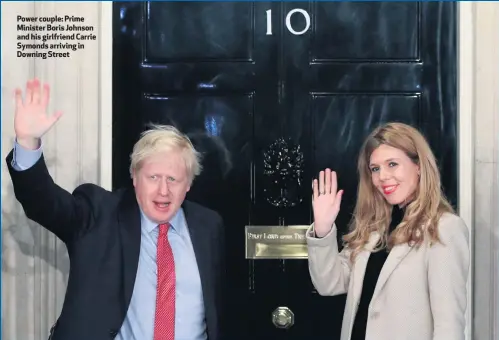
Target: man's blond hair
165 138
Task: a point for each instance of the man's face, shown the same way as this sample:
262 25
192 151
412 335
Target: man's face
161 185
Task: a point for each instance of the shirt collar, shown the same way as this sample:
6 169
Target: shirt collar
175 222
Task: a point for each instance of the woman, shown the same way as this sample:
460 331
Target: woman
405 262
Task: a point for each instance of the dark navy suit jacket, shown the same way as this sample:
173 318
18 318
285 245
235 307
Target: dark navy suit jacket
101 230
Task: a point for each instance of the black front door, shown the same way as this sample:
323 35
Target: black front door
269 108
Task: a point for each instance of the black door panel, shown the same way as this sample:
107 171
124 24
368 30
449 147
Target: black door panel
270 111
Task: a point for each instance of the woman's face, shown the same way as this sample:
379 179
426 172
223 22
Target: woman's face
394 174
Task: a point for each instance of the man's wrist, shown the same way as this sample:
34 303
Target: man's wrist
29 143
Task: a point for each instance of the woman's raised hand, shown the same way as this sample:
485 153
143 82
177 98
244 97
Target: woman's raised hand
326 202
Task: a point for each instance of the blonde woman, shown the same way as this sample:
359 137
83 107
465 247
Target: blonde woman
405 262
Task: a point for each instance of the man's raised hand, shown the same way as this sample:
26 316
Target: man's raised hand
31 120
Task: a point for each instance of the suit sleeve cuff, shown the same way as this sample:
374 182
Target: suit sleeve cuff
23 158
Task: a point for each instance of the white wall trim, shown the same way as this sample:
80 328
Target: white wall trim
485 112
466 125
106 95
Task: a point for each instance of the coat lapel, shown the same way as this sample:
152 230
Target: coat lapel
129 227
396 255
200 238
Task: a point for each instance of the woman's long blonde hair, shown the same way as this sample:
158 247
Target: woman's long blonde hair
373 213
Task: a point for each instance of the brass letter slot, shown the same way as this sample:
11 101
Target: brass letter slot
276 242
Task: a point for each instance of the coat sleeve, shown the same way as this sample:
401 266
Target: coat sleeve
65 214
448 270
329 269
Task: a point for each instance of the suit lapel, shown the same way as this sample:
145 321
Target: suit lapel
129 227
200 238
396 255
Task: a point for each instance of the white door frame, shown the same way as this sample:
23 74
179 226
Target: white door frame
465 118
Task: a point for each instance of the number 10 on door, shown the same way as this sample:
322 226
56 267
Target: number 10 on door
288 21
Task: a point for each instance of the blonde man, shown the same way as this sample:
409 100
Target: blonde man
405 263
145 263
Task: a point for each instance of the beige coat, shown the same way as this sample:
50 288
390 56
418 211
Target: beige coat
420 294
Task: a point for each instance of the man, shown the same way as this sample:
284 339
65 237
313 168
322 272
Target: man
145 263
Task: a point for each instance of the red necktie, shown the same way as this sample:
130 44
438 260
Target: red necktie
164 321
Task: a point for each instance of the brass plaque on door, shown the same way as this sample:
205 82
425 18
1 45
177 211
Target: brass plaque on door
276 242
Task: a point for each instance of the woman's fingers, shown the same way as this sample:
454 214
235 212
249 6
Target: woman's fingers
327 184
334 183
337 202
321 183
